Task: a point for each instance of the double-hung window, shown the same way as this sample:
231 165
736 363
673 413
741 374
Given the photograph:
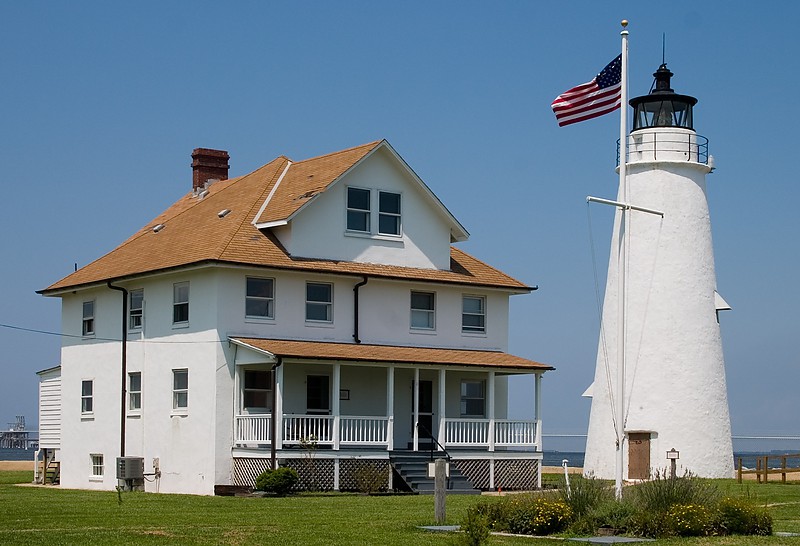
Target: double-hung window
319 302
388 213
180 303
180 389
473 314
135 391
473 398
423 311
257 393
97 465
88 318
87 396
260 298
361 211
136 312
358 209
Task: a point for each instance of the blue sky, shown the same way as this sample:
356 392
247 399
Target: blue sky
103 103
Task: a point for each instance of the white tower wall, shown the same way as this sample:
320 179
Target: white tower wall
674 367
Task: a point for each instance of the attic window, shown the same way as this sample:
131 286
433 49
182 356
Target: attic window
358 209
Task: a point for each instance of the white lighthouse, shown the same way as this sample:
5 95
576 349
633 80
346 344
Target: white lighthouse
660 335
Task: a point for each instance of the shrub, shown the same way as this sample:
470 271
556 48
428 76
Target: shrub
279 481
475 527
585 494
538 516
662 492
609 513
740 517
495 513
690 520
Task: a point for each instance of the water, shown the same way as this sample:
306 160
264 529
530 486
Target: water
575 458
7 454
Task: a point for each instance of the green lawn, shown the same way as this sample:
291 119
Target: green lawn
33 515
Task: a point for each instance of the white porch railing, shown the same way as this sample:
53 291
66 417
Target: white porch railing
363 430
252 429
515 433
466 432
300 428
477 433
375 431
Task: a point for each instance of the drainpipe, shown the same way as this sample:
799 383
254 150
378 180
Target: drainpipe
124 364
355 308
273 422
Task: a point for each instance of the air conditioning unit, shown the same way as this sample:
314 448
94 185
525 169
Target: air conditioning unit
130 468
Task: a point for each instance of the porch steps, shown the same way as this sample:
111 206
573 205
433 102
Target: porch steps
412 468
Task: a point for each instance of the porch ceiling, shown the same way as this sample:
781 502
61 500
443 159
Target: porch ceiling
388 353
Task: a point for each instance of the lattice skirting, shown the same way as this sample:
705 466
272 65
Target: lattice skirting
477 470
509 474
516 474
315 474
366 475
246 470
369 475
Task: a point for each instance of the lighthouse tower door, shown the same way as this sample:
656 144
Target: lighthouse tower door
638 455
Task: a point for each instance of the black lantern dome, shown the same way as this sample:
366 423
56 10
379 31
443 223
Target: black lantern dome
662 107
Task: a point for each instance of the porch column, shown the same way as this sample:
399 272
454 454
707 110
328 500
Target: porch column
279 407
537 412
442 406
490 413
337 385
538 418
390 408
416 409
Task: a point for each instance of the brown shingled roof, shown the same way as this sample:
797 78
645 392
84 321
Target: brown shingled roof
389 353
234 239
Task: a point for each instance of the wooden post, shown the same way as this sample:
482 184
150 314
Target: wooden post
739 471
783 468
766 468
440 490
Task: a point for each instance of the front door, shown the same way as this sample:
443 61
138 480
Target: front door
425 413
638 455
318 395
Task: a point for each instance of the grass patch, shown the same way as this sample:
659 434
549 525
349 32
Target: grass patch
36 515
16 476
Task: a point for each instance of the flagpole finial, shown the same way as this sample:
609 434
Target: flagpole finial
624 23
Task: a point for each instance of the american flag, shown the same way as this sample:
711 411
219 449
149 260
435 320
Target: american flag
592 99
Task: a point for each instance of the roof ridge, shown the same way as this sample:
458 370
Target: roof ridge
372 144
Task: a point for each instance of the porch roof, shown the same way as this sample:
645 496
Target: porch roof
322 350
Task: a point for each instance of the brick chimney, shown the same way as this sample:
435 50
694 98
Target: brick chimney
208 164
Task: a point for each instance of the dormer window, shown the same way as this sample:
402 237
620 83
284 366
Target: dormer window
361 211
388 213
358 209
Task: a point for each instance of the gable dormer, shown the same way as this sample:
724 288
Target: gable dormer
363 205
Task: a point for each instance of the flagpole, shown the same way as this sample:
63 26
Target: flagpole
622 259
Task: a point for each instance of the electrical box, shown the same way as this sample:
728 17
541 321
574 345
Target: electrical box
130 468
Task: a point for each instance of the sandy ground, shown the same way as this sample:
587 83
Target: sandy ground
16 465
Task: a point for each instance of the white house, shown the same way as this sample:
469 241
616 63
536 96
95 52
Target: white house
315 301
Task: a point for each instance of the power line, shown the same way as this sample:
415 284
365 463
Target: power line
116 340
